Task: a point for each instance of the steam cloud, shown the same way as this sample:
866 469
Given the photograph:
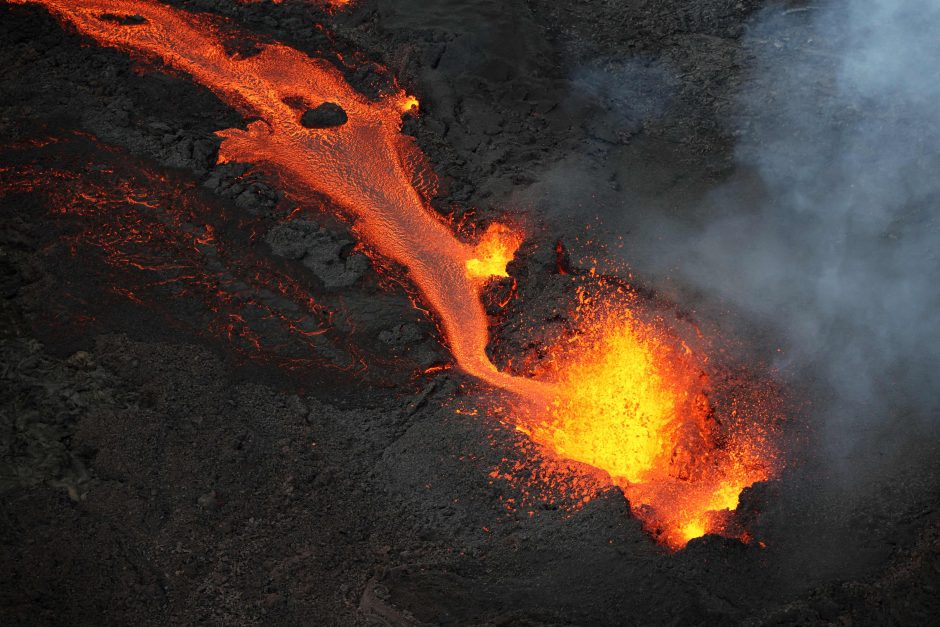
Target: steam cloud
843 252
828 230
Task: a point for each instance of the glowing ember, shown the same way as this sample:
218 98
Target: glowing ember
621 395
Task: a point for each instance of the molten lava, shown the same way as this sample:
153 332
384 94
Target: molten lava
620 395
633 400
496 249
410 104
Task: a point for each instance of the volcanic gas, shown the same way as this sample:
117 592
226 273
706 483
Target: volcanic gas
619 393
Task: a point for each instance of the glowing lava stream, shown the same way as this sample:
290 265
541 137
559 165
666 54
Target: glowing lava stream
626 418
358 165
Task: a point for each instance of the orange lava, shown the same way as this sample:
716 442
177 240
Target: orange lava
633 400
620 395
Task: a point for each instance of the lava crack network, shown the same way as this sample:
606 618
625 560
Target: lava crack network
602 411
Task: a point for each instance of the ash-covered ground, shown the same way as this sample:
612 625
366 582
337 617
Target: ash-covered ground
180 443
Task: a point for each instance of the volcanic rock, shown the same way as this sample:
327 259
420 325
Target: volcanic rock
209 501
124 20
327 115
322 252
400 334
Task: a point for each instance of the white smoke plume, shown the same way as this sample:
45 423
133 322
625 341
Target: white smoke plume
828 231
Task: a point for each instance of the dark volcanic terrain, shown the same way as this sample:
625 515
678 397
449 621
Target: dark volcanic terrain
212 414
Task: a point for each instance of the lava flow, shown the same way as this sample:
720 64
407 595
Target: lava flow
619 395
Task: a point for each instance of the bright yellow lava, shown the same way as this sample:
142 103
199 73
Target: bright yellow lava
726 496
693 529
497 248
409 103
631 400
617 409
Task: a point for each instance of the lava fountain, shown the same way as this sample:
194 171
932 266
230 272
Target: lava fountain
617 396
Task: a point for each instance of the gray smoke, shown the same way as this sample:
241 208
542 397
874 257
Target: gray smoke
827 232
842 127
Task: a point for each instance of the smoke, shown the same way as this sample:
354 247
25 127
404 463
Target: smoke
843 250
827 232
841 125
